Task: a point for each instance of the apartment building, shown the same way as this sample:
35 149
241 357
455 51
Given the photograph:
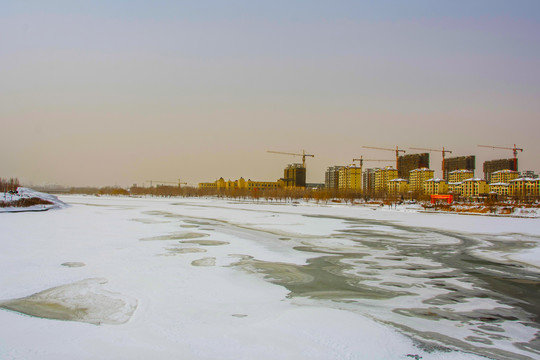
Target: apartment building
503 176
435 187
522 187
417 178
460 175
331 177
398 186
382 177
501 189
474 187
350 178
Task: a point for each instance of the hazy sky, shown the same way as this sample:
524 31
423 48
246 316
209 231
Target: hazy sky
119 92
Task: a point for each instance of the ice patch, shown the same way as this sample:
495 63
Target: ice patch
83 301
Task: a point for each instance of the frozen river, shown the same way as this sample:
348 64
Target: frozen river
131 278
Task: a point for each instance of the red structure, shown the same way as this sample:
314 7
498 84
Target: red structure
448 198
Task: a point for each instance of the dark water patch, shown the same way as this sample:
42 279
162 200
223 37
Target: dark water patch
321 278
73 264
206 242
396 284
177 250
176 236
189 226
149 221
207 261
491 328
430 342
239 315
197 222
479 340
284 238
326 251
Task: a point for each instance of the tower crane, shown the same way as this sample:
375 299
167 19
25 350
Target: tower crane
361 161
514 149
303 155
397 150
443 155
166 182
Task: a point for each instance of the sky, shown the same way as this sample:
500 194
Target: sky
117 93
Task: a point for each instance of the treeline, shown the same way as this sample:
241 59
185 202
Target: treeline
278 195
7 185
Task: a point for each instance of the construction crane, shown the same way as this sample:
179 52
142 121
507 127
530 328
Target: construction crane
166 182
361 161
397 150
514 149
303 155
443 155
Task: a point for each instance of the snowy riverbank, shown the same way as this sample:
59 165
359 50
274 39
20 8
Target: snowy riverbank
15 201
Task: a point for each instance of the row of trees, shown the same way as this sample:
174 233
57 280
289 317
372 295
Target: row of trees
7 185
269 195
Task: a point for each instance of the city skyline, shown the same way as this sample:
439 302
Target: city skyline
114 94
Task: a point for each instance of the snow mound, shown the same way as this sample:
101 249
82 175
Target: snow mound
28 193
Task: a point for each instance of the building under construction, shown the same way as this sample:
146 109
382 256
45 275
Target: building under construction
294 175
406 163
496 165
459 163
331 177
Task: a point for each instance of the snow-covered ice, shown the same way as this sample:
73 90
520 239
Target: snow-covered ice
133 278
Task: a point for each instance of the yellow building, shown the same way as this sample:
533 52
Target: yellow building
418 177
210 186
241 183
350 178
398 186
454 188
474 187
501 189
435 187
460 175
524 187
383 176
503 176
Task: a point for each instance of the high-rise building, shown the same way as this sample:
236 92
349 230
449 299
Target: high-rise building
398 186
435 187
331 177
295 175
474 187
368 181
503 176
459 175
496 165
524 187
406 163
382 177
459 163
417 178
529 174
350 178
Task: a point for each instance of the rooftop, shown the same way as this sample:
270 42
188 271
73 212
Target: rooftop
460 171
